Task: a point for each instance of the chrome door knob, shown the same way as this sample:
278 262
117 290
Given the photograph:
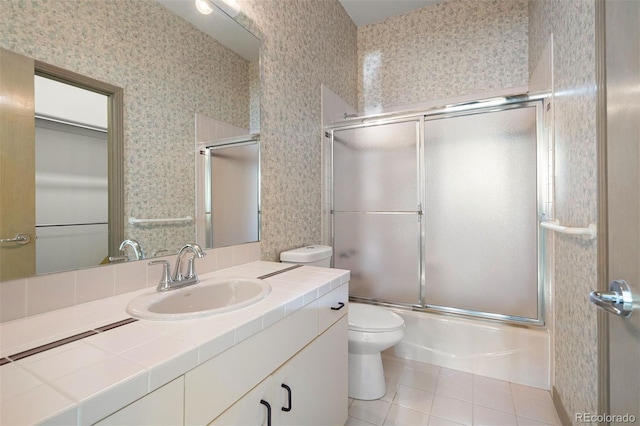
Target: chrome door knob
18 239
618 300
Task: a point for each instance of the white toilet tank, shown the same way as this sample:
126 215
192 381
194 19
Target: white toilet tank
309 255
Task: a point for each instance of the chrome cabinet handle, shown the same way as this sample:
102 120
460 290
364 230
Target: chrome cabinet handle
618 300
18 239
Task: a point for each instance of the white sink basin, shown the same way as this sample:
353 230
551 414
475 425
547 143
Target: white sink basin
209 297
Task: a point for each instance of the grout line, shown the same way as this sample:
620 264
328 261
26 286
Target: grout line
262 277
66 340
115 325
52 345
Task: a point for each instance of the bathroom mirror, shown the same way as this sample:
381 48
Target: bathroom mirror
170 70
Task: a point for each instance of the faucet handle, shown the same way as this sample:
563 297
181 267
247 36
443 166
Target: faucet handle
166 280
191 269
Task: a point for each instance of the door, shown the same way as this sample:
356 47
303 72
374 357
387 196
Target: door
377 210
622 50
485 173
232 196
311 388
17 167
252 409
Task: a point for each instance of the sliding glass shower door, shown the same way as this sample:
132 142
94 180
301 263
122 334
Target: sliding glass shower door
440 211
376 210
482 209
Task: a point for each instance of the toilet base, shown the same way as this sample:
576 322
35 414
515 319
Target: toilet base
366 376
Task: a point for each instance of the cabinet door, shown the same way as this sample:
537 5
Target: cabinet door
215 385
248 410
317 379
163 406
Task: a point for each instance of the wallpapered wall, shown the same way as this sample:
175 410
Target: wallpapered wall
169 71
450 49
572 23
304 44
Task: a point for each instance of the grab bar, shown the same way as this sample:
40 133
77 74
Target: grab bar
590 232
136 221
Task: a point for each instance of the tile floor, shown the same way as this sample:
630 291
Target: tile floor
425 394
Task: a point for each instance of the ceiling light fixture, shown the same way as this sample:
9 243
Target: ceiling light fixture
204 6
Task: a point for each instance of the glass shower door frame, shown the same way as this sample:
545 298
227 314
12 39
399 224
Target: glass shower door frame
544 159
544 190
420 176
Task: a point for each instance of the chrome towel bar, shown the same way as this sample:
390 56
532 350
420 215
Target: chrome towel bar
590 231
136 221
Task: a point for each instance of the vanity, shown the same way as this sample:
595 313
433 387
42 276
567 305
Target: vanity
280 361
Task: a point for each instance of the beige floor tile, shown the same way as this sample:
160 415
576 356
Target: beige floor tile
352 421
492 383
370 411
458 389
401 416
483 416
420 394
420 380
493 398
438 421
416 399
456 375
543 411
452 409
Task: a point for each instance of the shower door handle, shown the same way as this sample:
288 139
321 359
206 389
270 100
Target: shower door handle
618 300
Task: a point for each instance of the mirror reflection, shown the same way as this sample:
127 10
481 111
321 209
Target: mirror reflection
230 191
170 71
71 170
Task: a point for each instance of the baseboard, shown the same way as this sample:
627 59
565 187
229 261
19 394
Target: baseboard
562 413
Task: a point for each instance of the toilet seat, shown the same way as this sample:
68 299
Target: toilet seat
373 319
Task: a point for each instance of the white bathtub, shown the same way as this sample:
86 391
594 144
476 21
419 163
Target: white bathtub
501 351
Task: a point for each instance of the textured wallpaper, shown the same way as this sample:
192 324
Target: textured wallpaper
169 71
572 23
304 44
450 49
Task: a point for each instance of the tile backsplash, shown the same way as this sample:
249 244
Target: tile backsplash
43 293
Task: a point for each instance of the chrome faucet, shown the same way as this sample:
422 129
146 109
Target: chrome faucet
179 280
191 276
135 246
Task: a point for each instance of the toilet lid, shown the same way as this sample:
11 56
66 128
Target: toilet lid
373 319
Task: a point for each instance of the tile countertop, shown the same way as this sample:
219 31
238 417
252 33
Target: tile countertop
86 380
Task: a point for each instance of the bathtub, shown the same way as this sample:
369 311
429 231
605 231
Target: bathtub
502 351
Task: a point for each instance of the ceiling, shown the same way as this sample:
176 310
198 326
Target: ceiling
228 32
363 12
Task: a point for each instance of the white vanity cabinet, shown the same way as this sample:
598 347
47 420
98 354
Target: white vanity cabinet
164 406
315 392
194 372
306 351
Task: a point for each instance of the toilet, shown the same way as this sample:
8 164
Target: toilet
309 255
372 329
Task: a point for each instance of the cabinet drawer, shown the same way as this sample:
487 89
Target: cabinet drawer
333 299
213 386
